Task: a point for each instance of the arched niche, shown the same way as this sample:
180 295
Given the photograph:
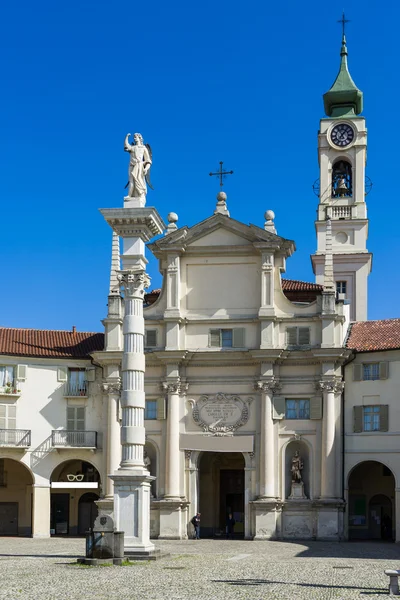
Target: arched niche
342 179
151 462
304 452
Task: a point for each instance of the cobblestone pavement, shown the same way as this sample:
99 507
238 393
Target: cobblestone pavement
203 570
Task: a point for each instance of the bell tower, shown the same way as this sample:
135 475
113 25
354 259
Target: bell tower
342 155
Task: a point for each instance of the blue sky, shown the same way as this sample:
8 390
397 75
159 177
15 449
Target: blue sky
203 82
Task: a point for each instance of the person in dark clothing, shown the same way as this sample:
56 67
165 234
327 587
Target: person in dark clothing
230 526
196 524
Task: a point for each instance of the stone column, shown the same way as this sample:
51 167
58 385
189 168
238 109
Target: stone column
267 440
329 387
113 449
172 454
41 511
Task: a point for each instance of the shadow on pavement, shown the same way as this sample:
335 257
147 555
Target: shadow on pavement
255 582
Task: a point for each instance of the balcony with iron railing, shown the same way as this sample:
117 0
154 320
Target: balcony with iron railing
75 389
62 438
15 438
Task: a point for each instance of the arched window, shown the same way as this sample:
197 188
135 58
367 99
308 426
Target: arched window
342 180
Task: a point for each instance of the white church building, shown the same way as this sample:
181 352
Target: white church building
265 397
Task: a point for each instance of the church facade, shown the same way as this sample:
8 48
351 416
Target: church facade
246 410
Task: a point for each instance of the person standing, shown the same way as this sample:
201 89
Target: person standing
196 524
230 526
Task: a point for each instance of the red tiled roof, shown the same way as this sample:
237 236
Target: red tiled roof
289 285
48 343
367 336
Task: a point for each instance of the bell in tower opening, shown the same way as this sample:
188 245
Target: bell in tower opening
341 179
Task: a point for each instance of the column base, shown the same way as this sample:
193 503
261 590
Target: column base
132 509
266 516
174 521
106 506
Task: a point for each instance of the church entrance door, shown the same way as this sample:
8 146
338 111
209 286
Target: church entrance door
221 486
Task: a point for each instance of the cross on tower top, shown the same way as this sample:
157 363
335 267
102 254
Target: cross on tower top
343 21
221 174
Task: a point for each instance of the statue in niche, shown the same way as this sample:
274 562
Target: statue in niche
296 468
139 166
146 460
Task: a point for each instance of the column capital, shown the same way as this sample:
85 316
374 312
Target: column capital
111 386
330 385
268 386
134 281
175 387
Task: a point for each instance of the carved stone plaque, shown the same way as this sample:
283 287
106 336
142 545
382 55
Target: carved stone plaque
221 414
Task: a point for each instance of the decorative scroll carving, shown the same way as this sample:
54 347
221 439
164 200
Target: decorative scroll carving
330 385
221 414
111 387
175 387
133 282
268 386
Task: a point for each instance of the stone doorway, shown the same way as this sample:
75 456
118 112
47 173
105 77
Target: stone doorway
371 502
221 491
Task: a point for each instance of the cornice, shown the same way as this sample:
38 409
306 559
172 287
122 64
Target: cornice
107 357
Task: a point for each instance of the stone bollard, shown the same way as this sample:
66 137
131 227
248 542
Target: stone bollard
393 582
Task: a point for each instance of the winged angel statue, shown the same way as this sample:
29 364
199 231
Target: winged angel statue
139 166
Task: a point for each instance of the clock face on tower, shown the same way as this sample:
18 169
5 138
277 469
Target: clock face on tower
342 135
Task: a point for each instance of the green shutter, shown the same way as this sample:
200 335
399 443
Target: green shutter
384 417
357 372
304 336
383 370
238 337
70 418
278 407
316 407
358 419
215 338
161 409
291 336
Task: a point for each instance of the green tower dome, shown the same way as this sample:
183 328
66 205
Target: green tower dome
344 99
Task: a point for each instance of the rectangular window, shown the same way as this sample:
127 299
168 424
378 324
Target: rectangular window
372 419
150 411
297 409
8 416
370 371
150 339
6 377
297 336
75 418
341 287
227 338
77 384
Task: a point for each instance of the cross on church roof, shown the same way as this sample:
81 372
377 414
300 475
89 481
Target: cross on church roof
343 21
221 174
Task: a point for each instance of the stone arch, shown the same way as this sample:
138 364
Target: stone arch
16 485
306 452
342 175
371 501
153 454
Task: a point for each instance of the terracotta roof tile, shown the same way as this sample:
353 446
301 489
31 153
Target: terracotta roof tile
49 343
367 336
294 285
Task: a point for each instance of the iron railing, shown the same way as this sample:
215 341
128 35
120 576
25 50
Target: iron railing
20 438
76 388
74 439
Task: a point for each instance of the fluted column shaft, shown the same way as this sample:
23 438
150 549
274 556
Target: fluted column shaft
172 455
267 442
113 449
133 367
328 460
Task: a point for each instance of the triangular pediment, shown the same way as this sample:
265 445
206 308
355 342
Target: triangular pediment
219 230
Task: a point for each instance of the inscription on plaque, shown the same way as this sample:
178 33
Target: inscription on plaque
221 414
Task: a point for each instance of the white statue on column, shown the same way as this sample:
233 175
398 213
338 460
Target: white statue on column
139 166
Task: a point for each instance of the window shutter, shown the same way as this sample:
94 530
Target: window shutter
304 336
21 372
215 341
357 372
90 374
3 416
383 370
278 407
151 338
238 337
316 407
70 418
384 417
12 416
291 336
62 374
358 419
161 409
80 418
